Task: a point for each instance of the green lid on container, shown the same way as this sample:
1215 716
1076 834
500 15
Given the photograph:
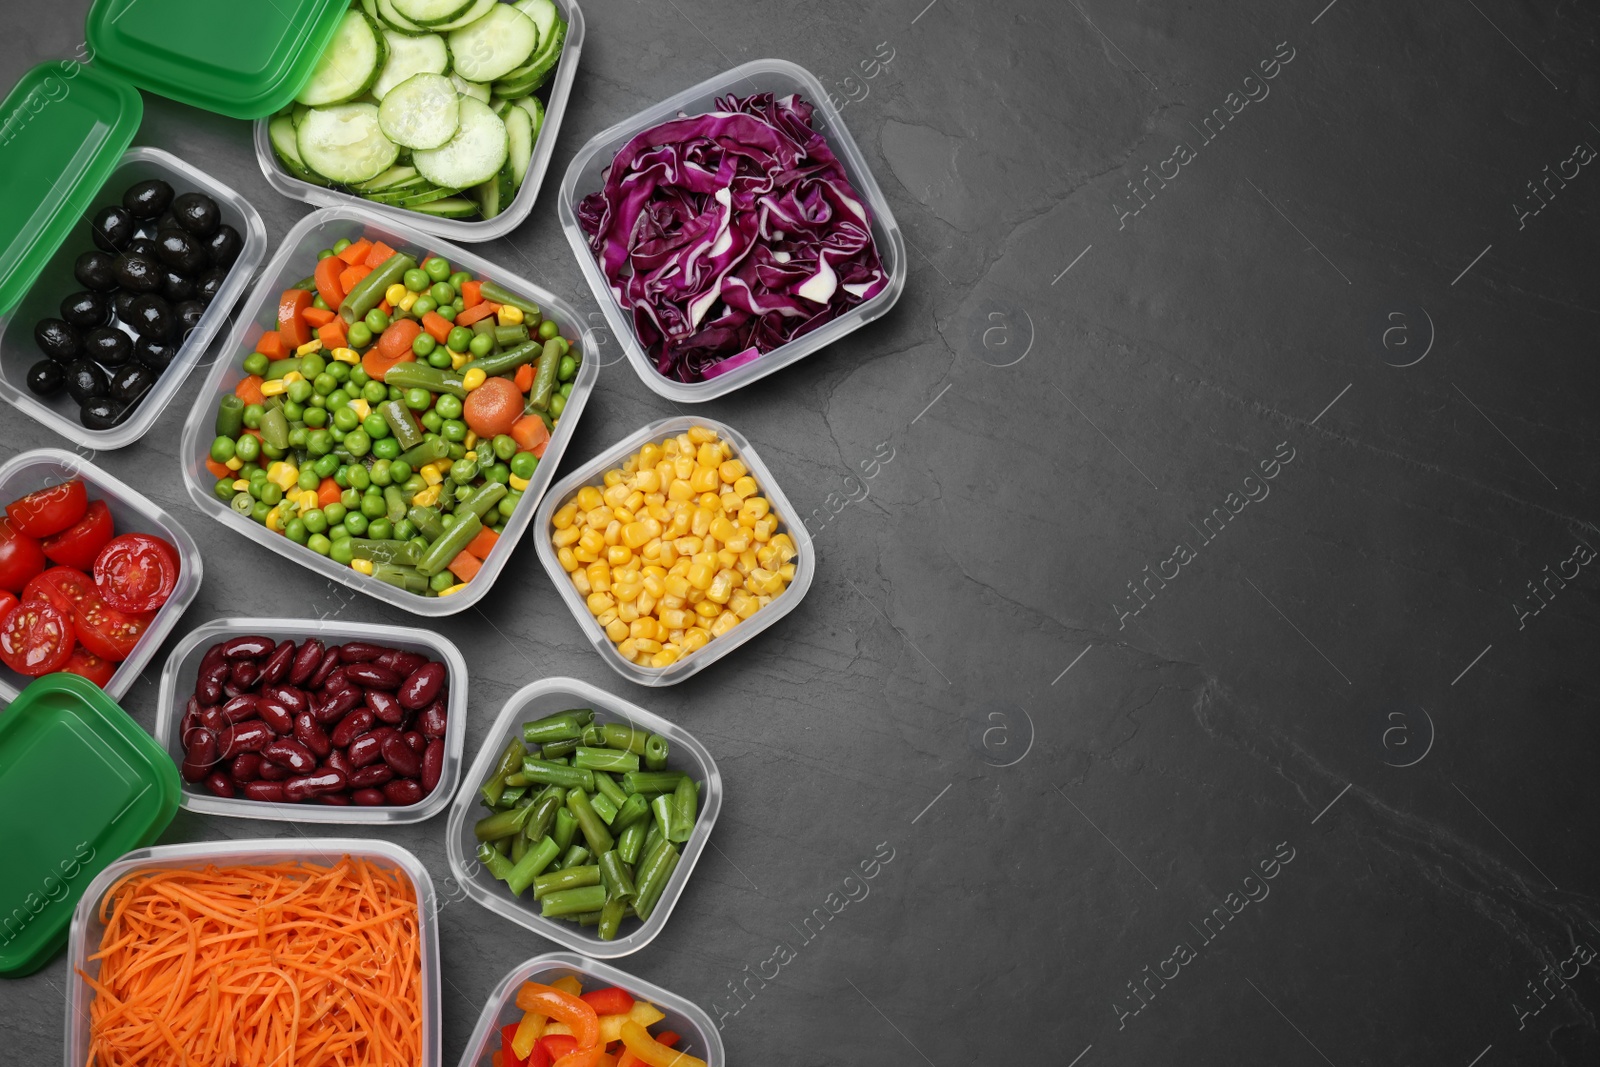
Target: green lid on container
62 129
244 59
80 785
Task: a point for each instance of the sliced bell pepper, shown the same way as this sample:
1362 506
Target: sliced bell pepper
610 1000
565 1007
508 1054
652 1052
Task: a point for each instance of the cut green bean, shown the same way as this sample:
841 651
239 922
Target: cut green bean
634 809
450 544
501 295
665 811
605 759
653 879
611 916
564 879
408 578
566 828
510 761
544 379
651 782
560 749
501 824
573 902
368 292
655 752
607 786
544 814
631 841
493 862
616 877
431 450
525 351
576 856
481 500
532 866
547 773
685 802
403 552
558 727
594 829
603 807
624 736
398 418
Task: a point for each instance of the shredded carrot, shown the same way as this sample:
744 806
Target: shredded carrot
294 965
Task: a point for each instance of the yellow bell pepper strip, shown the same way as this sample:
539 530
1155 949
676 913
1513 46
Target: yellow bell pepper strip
528 1031
643 1012
566 1008
652 1052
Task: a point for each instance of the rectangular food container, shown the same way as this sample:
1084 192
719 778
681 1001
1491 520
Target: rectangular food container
548 697
132 513
56 282
455 229
590 473
87 928
177 683
295 257
586 174
686 1018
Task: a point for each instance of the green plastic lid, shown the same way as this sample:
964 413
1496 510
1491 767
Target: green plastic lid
244 59
80 785
62 129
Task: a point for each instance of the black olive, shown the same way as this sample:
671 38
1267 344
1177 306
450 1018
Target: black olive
108 346
176 286
152 317
197 213
188 314
142 246
121 302
224 246
131 382
182 251
96 270
147 199
156 355
210 284
86 310
112 228
101 413
139 274
58 340
85 379
46 377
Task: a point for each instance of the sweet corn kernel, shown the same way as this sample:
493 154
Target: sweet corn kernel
613 534
580 579
676 618
617 630
745 486
361 407
406 301
569 562
516 483
272 520
645 627
763 528
509 315
606 618
600 517
647 481
624 514
628 649
743 604
786 572
426 498
235 463
589 498
457 359
276 387
309 347
600 578
470 441
700 435
473 378
431 474
629 592
655 584
695 638
646 645
647 603
453 589
395 293
708 609
701 571
731 470
241 486
362 566
613 477
627 612
598 602
676 586
725 622
346 355
666 657
721 587
619 555
635 534
564 516
294 376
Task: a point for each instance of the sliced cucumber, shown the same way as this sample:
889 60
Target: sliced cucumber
535 109
402 193
475 154
280 131
495 45
544 14
350 63
519 137
410 55
477 90
431 12
392 178
479 9
391 17
345 143
552 35
454 207
423 111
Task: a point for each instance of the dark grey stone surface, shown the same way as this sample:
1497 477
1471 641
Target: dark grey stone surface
1337 673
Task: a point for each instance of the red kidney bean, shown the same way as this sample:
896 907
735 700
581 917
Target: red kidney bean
313 785
360 651
278 663
305 662
212 719
229 691
274 772
372 676
291 754
250 736
289 696
246 767
200 755
422 686
432 764
330 660
402 791
244 674
335 705
367 748
208 685
384 706
338 761
212 657
239 709
220 784
252 647
398 754
376 774
353 726
275 715
400 661
334 800
309 732
433 721
369 798
416 742
270 791
336 682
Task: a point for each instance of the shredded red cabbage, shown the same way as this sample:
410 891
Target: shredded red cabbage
731 233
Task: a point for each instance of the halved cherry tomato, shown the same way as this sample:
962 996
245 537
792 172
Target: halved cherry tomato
79 544
7 602
20 558
50 510
105 631
35 638
136 572
90 666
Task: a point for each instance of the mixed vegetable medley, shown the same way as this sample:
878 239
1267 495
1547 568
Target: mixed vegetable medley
74 595
426 104
393 418
561 1024
596 849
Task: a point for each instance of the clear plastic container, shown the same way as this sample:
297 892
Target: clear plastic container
295 258
177 683
132 513
586 173
87 928
590 474
56 282
535 701
686 1018
516 212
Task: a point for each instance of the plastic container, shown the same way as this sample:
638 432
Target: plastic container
132 513
590 474
560 90
535 701
294 260
586 173
699 1035
55 282
63 729
87 927
177 683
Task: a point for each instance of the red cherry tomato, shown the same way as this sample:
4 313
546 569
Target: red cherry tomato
105 631
90 666
20 558
7 602
49 511
136 572
35 638
79 544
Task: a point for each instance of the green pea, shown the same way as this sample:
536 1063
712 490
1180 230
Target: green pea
350 498
375 426
441 581
315 520
380 530
324 254
356 523
260 511
448 519
312 365
256 363
270 493
558 404
566 390
480 345
448 406
309 478
453 430
417 399
357 443
340 245
439 357
336 402
294 412
422 305
319 544
296 531
386 448
297 436
342 551
523 464
506 506
498 472
334 513
359 335
438 269
463 472
320 442
405 530
319 303
340 372
252 416
380 473
548 330
271 452
358 377
345 418
374 392
431 421
566 368
259 474
458 279
224 489
222 449
399 470
377 320
442 293
447 313
325 465
503 446
359 480
457 451
423 345
323 384
413 485
460 339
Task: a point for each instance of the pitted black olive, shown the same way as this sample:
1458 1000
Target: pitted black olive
197 213
107 346
139 274
86 309
46 377
112 228
58 340
85 380
96 270
147 199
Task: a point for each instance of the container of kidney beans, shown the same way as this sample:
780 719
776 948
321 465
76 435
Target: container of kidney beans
311 721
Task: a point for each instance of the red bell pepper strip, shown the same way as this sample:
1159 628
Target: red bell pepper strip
579 1017
508 1055
608 1001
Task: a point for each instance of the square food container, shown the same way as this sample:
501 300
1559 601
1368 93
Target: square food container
56 282
132 513
177 683
87 928
548 697
474 230
686 1018
590 473
318 230
586 174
